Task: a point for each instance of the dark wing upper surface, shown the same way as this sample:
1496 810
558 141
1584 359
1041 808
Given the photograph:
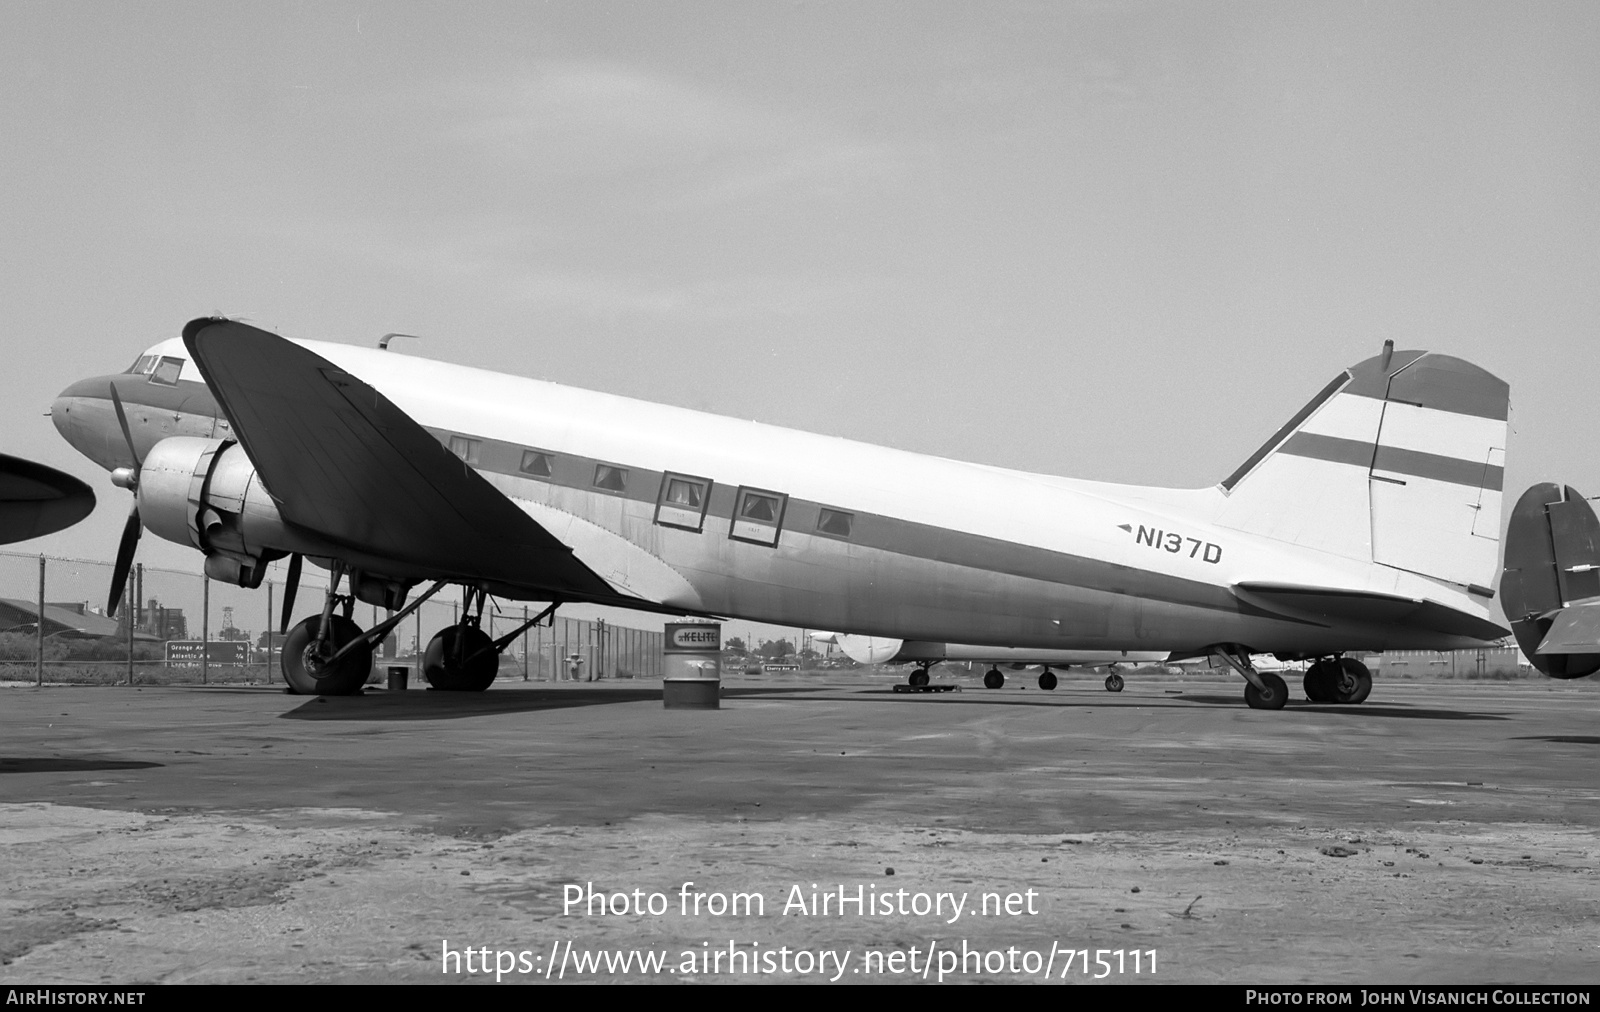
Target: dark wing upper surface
36 500
343 461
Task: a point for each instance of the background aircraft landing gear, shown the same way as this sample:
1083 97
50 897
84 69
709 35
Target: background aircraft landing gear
1047 679
1113 682
919 677
306 663
993 679
1338 680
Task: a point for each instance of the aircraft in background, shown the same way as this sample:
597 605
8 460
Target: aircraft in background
1550 589
883 650
1369 521
36 500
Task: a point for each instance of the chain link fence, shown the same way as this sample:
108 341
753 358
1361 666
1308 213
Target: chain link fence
174 627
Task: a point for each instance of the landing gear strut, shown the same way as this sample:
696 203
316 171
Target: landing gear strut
1338 680
993 679
462 657
326 655
1264 690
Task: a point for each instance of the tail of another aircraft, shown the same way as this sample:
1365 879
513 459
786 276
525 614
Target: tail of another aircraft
1398 461
1550 590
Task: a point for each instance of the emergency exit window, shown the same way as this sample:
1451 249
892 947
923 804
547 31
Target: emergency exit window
758 516
683 500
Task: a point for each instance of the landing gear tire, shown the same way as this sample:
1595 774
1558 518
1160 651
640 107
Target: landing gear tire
311 675
1319 681
1114 682
1047 679
1276 694
450 664
1351 683
993 679
918 678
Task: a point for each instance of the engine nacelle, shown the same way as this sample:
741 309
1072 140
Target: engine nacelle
205 493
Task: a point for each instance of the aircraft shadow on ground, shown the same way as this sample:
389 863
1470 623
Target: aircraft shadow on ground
1565 739
427 705
10 764
1358 710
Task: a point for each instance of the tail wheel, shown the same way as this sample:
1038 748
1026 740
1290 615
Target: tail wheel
919 677
1272 697
1047 679
1352 683
309 674
461 659
993 679
1114 682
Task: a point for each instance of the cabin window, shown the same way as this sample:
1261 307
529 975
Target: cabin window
835 522
682 502
466 449
611 479
536 463
758 516
166 371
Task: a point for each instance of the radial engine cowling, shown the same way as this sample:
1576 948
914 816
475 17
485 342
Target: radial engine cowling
205 493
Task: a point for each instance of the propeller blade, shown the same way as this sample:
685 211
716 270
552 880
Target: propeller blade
119 575
122 420
289 591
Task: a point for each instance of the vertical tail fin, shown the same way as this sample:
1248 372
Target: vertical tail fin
1399 461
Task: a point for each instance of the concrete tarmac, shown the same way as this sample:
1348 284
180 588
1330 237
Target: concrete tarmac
1442 832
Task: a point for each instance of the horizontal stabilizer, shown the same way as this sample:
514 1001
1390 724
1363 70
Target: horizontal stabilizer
1333 605
1574 630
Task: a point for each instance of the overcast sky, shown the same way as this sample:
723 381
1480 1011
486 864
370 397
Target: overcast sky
1119 241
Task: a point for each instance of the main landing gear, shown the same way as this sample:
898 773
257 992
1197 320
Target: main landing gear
328 654
462 657
1047 679
993 679
1113 682
1338 680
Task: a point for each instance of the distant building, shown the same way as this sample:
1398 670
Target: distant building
70 620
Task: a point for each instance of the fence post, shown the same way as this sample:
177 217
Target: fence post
269 633
39 665
524 643
205 627
127 613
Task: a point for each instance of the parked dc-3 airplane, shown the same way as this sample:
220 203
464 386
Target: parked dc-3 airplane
1550 590
1369 521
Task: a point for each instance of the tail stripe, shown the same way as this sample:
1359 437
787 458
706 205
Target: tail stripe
1394 460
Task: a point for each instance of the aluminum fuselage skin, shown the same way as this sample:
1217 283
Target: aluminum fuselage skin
937 550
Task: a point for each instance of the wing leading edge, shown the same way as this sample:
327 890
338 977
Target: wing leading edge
345 463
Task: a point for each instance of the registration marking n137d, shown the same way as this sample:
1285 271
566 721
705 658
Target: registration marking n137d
1177 544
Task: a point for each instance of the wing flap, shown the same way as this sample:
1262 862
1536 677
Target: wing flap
343 461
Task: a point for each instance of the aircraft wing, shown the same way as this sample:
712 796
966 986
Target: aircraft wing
36 500
1331 604
342 461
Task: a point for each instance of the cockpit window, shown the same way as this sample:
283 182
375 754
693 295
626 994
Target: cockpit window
142 365
166 371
